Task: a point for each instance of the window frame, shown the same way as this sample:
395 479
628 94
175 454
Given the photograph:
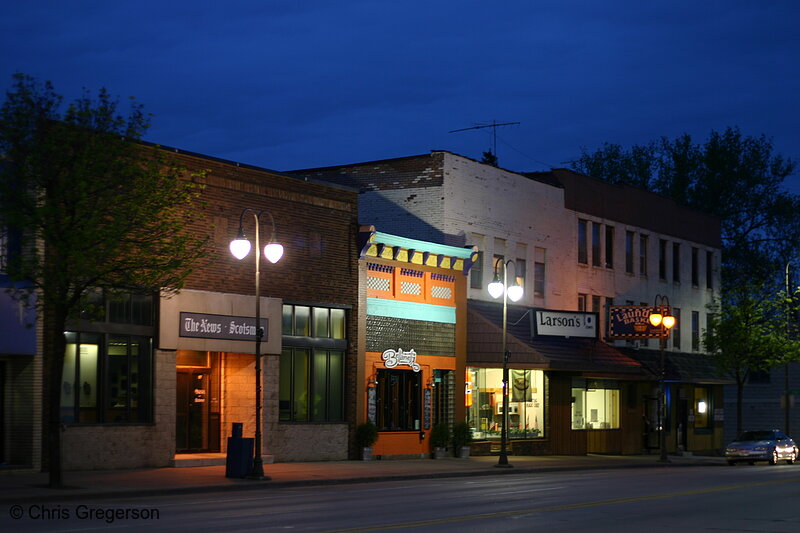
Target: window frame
310 347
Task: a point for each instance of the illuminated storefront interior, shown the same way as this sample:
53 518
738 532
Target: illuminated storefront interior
526 403
595 404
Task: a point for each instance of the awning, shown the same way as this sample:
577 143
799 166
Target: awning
681 366
588 356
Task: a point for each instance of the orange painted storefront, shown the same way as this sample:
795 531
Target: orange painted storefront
414 296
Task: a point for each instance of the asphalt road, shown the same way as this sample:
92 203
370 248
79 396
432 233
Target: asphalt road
719 498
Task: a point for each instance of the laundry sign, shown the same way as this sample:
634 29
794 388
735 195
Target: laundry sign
631 322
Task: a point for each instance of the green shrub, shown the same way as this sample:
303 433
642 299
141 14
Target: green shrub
366 435
440 435
462 435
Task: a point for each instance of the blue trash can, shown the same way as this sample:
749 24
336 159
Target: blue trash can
239 461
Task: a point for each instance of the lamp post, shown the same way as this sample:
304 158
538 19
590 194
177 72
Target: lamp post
496 289
661 316
240 248
789 313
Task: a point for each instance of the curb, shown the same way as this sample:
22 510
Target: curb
71 493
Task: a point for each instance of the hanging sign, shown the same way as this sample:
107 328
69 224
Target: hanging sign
399 357
566 324
631 322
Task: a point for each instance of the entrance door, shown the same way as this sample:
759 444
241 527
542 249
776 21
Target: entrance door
683 424
192 410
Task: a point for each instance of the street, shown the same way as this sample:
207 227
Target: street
713 498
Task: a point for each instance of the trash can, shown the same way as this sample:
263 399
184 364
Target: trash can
239 461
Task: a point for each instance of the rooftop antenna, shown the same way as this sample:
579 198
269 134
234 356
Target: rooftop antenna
494 125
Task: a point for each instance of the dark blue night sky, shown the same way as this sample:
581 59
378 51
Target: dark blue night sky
304 83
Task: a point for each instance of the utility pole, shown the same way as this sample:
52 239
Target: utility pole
494 125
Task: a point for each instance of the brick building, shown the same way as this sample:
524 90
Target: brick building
156 377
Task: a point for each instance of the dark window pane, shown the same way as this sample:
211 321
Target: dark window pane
300 383
335 381
302 321
321 329
320 385
337 324
286 321
285 386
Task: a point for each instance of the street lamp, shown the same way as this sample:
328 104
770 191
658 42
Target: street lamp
240 248
661 316
515 291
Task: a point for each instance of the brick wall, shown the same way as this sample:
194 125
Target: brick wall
317 224
100 447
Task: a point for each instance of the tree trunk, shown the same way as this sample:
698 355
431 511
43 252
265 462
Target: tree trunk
53 352
739 401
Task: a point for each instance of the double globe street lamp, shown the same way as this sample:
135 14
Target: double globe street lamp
661 317
496 289
240 248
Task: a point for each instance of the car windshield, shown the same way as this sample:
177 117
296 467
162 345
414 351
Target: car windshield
757 435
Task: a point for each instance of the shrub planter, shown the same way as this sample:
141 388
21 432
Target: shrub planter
366 435
462 436
440 438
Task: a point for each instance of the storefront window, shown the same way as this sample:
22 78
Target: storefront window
312 364
702 407
595 404
398 400
526 403
106 379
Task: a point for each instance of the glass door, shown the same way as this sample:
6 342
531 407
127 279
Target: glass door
192 411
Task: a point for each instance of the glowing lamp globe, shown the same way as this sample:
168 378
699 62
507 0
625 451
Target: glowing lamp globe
240 247
655 318
273 252
496 288
515 293
669 321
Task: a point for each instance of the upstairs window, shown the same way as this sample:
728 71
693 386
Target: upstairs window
583 257
595 244
676 262
629 252
642 255
609 246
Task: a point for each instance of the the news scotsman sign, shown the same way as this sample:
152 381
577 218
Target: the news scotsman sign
631 322
566 324
236 328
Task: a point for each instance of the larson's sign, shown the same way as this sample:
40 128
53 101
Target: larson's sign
565 324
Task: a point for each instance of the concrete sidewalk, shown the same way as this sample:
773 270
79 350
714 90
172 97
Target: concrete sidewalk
18 487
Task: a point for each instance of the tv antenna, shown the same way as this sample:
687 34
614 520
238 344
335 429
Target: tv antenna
494 125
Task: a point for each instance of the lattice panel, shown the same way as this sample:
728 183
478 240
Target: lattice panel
407 287
445 293
378 284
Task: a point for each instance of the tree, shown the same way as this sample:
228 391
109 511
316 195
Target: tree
748 333
94 208
490 159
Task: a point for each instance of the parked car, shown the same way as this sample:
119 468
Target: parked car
765 445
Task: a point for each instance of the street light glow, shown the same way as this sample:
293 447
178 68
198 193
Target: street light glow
273 252
240 248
